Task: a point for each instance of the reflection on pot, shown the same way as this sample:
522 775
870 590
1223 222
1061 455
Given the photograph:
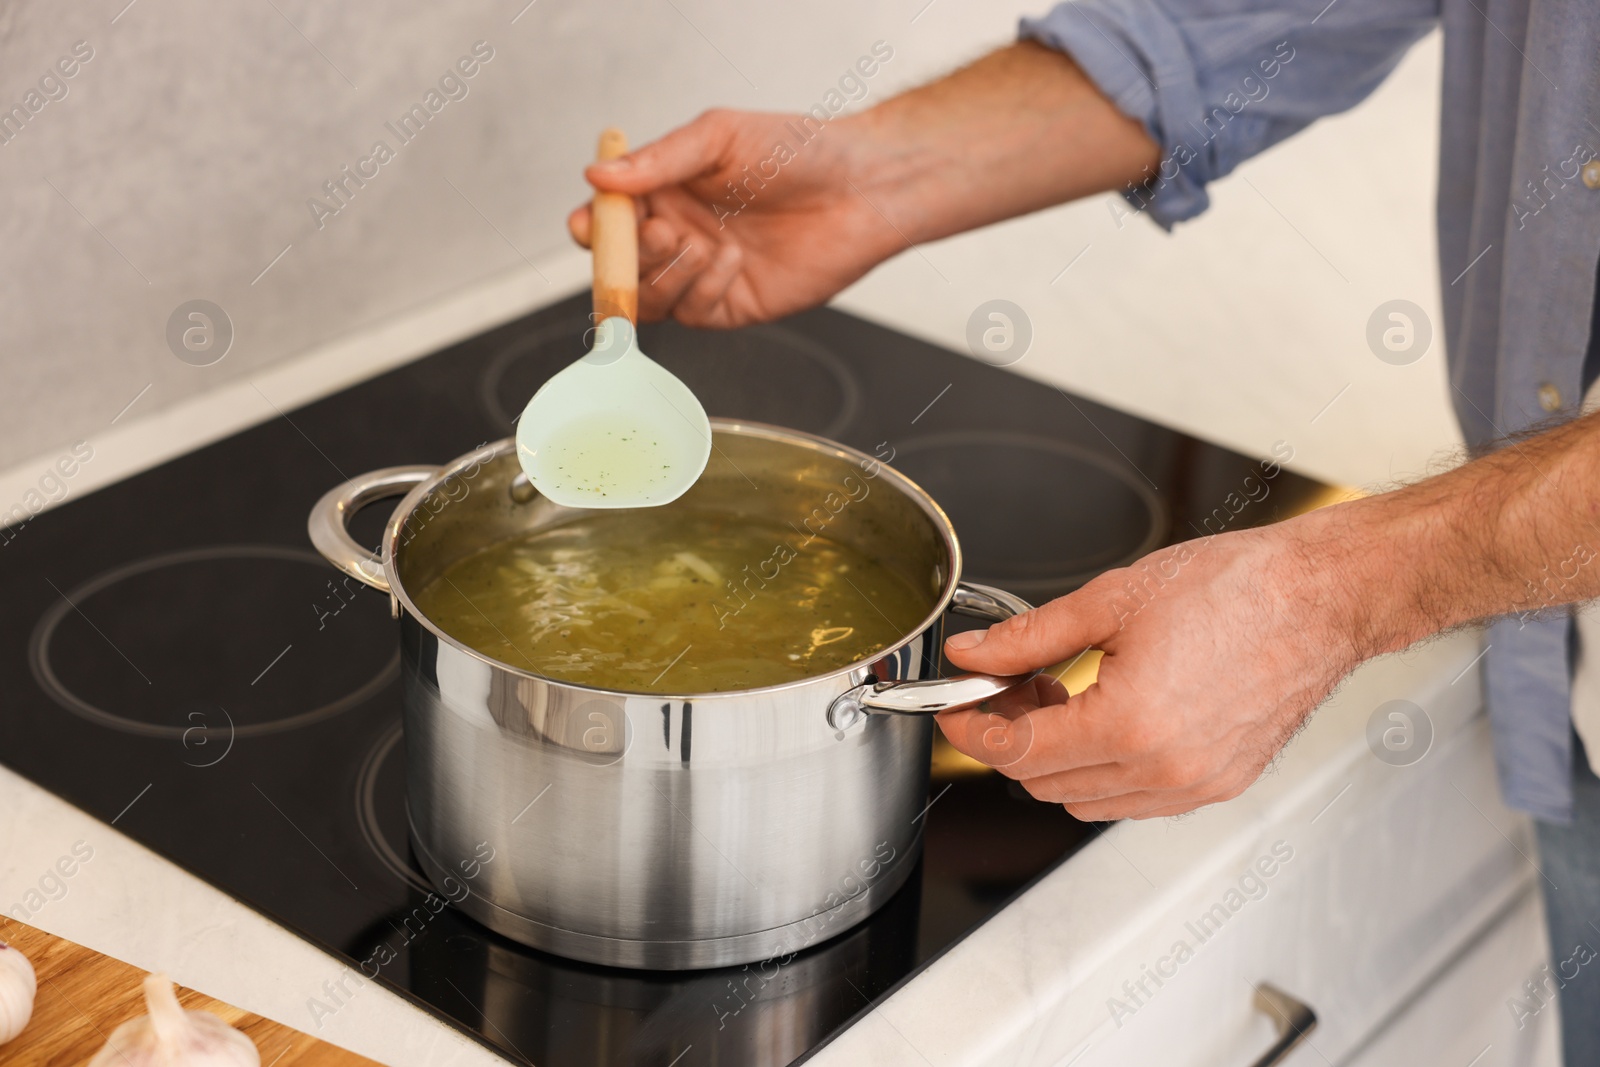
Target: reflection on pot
548 1010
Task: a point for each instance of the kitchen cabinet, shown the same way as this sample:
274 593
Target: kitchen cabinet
1353 926
1463 1018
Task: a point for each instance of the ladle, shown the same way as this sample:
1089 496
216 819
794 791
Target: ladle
616 429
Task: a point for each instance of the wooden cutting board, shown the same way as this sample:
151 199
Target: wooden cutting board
84 995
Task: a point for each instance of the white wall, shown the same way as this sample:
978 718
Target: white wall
193 138
179 164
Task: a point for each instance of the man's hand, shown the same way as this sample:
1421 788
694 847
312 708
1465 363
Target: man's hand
746 217
1215 652
734 230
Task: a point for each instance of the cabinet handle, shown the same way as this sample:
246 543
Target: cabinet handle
1294 1019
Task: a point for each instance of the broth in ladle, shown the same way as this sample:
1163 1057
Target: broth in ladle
673 601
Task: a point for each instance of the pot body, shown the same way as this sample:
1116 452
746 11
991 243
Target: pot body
668 831
659 832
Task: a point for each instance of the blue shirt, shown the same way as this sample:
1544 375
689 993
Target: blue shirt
1216 81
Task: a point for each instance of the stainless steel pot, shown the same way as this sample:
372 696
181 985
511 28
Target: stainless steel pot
681 831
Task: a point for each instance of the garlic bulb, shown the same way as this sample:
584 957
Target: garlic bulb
172 1037
17 986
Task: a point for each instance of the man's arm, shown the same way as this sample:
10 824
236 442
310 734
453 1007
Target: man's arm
1513 532
744 221
748 217
1019 130
1214 663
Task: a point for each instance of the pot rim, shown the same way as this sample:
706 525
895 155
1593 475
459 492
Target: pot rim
495 449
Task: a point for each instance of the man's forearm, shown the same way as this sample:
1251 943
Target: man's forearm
1019 130
1517 531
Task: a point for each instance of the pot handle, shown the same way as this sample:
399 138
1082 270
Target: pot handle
329 524
934 695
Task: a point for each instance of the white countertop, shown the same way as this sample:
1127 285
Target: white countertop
1277 321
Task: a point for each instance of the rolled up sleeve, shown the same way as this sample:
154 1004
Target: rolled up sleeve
1215 82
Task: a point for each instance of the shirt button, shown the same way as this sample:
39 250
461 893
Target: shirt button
1591 174
1549 397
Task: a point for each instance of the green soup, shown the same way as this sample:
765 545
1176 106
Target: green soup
669 601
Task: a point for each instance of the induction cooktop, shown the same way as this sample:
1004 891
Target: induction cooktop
179 663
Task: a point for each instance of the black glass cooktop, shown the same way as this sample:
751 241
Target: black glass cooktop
180 663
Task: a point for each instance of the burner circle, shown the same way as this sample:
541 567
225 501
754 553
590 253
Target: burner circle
1037 516
763 373
367 811
46 635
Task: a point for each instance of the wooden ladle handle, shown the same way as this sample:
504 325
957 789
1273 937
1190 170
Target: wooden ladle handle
614 239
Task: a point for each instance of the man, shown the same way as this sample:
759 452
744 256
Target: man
1150 98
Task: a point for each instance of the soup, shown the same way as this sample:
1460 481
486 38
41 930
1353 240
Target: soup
673 601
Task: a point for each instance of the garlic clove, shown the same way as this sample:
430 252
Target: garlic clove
17 987
172 1037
